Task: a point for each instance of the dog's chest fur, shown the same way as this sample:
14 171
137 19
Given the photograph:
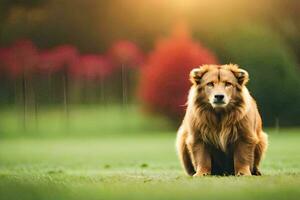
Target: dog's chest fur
219 135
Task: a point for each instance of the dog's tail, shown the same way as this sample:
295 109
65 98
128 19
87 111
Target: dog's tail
183 152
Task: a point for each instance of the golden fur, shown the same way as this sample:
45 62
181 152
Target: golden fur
221 138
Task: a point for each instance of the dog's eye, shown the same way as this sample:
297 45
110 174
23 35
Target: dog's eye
210 84
228 84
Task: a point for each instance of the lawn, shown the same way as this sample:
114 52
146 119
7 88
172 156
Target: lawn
138 166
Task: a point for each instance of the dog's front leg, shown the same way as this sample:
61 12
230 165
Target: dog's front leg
243 158
200 156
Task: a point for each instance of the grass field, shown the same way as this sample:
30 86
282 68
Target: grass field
135 167
88 120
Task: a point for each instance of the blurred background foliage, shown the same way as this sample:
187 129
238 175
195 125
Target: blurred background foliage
132 58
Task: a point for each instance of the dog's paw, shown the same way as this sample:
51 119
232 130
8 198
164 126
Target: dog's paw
202 173
256 172
242 174
243 171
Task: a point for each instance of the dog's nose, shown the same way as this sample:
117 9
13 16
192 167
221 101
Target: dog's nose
219 97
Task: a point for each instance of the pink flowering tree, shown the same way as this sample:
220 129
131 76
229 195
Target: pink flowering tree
57 62
7 85
90 72
18 62
126 58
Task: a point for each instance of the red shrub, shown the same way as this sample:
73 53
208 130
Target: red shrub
165 77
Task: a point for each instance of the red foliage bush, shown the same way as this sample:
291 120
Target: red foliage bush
164 80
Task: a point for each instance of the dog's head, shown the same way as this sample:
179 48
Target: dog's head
219 85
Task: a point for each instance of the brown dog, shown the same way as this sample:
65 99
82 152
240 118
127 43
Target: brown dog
221 133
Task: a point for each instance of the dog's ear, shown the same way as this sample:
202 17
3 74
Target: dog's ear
241 75
196 75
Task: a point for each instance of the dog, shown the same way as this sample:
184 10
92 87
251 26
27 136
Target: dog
221 133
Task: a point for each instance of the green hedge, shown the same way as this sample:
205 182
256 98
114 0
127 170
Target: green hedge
274 71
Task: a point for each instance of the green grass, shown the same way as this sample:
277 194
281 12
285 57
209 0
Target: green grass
135 167
89 120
